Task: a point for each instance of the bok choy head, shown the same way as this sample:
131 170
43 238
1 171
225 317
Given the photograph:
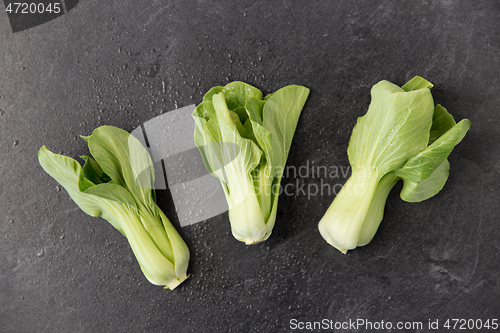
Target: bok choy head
116 183
402 136
244 139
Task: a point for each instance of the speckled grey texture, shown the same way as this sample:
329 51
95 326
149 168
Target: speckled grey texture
125 62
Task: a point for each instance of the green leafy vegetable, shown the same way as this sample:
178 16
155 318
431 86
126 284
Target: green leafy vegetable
117 184
244 139
402 136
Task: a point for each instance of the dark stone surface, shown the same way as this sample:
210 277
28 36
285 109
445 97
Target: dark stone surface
124 62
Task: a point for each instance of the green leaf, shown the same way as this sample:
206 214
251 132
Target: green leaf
213 91
423 165
106 200
68 172
241 112
240 92
216 153
93 172
112 193
205 110
430 186
232 104
395 128
239 126
221 144
249 130
442 122
263 138
84 183
280 117
417 83
249 154
254 108
123 158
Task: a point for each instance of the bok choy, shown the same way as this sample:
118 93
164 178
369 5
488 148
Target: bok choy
116 183
402 136
244 139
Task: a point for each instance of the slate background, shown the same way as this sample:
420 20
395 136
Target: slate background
124 62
